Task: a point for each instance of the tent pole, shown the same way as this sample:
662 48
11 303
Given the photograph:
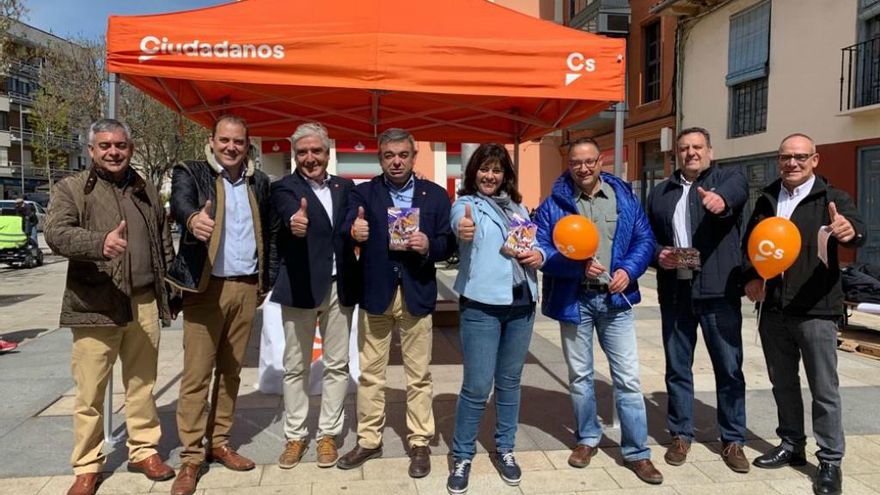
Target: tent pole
113 96
618 140
109 437
516 156
467 149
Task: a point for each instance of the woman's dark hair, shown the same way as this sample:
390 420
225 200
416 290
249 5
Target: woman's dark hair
485 154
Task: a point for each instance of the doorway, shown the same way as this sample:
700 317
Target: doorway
869 203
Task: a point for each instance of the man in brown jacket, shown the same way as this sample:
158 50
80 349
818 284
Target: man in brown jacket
110 224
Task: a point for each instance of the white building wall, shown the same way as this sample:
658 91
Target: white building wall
806 37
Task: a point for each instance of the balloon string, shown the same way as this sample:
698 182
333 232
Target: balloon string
604 276
760 307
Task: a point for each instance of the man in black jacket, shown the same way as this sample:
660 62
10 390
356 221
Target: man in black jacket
700 207
319 280
223 268
802 309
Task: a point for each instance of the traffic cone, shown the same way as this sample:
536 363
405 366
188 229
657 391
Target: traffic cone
317 349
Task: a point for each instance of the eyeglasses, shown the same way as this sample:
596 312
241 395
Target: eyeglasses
589 162
800 157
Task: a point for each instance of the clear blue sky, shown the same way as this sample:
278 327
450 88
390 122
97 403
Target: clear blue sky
88 18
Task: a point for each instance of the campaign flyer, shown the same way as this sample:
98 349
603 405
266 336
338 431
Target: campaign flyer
520 237
687 258
402 222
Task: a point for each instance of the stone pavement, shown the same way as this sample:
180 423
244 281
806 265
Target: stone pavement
36 431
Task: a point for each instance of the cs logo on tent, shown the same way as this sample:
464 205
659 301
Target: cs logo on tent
577 65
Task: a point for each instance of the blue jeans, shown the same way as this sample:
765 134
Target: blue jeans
721 322
617 336
494 343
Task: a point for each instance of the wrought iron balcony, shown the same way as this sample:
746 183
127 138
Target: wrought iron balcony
860 75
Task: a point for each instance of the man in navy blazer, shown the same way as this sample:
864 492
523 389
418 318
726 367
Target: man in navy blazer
400 290
319 281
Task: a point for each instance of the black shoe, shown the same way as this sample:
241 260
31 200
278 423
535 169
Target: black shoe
827 480
779 457
457 483
357 456
419 461
508 468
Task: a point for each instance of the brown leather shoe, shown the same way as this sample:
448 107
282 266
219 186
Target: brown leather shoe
357 456
735 458
85 484
677 452
327 453
419 461
187 478
153 468
292 454
231 459
645 470
581 455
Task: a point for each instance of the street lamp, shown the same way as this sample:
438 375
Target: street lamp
21 143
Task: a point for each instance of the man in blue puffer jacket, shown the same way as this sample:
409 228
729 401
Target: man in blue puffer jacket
598 293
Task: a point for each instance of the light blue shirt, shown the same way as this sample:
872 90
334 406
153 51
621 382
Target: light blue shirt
402 197
484 274
237 254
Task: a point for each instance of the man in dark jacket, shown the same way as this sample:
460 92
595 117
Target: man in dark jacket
399 290
110 224
318 281
700 207
223 268
801 309
29 218
598 294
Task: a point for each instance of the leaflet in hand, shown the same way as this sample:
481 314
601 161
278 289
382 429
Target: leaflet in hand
402 222
520 237
687 258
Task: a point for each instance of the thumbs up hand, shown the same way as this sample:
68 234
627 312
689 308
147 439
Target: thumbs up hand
360 229
299 222
466 226
115 243
712 201
841 228
201 224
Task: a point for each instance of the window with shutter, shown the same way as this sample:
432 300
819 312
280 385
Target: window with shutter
748 53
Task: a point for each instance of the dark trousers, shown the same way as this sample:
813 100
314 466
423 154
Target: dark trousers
721 322
787 339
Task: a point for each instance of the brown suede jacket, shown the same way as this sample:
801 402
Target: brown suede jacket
83 209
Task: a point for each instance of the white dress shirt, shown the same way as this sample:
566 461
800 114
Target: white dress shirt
681 225
788 201
322 191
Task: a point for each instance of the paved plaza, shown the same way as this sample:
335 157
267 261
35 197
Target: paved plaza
36 398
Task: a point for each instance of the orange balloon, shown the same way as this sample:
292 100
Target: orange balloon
773 246
576 237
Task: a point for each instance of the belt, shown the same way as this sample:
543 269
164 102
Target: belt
252 278
595 287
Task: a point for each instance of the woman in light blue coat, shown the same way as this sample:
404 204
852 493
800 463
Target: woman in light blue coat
497 301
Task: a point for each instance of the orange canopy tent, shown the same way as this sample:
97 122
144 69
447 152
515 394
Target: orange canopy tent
448 70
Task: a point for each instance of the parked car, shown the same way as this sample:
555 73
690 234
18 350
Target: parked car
41 212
